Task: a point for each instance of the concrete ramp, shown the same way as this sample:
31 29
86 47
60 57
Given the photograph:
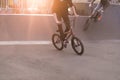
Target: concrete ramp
41 27
26 27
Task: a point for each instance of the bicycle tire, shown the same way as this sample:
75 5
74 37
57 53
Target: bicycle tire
79 44
87 24
57 36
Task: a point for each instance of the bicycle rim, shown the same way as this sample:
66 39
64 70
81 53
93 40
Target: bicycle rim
77 45
57 42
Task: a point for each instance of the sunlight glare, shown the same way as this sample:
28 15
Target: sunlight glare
34 5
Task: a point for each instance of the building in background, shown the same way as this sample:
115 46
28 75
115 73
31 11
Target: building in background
33 6
115 1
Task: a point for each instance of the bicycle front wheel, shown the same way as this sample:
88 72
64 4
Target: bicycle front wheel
77 45
57 42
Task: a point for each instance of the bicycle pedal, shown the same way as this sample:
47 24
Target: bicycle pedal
66 41
65 45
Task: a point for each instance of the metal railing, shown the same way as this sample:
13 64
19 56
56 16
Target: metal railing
24 6
30 6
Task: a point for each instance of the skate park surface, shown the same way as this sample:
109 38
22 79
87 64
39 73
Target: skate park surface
26 51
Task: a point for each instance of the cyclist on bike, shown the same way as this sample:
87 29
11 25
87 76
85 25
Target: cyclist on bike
102 4
60 10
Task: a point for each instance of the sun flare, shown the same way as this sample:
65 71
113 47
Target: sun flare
41 5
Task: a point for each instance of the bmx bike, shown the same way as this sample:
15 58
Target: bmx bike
60 43
95 18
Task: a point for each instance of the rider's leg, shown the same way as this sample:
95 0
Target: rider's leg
67 22
60 29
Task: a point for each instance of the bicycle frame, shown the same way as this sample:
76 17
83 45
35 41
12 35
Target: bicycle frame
60 42
70 32
98 14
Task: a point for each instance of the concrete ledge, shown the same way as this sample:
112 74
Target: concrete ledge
41 27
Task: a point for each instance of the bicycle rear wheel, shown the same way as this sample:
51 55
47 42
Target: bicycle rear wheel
87 23
77 45
57 42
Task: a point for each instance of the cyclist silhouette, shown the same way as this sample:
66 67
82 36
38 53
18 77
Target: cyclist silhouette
102 4
60 10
